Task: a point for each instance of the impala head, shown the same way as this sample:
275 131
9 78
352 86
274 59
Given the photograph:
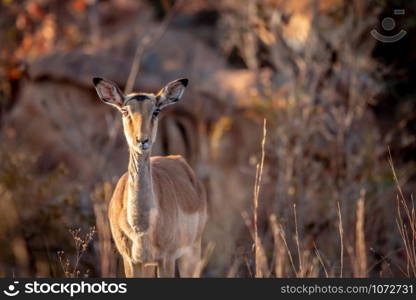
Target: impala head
140 110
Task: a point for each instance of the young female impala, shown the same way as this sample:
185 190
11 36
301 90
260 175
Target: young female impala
158 209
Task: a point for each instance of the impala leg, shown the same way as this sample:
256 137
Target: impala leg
189 263
166 268
138 270
128 267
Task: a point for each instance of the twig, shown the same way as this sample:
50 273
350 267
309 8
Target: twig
283 236
259 255
341 237
204 260
147 41
297 240
360 238
396 180
320 259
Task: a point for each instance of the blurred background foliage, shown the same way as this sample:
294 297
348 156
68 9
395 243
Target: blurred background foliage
335 100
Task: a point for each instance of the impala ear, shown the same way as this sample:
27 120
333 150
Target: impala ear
171 93
108 92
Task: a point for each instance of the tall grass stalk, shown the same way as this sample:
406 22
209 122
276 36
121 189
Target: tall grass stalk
260 259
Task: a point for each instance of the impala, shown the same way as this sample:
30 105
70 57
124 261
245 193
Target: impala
158 210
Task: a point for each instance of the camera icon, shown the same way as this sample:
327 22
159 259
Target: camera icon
388 24
11 289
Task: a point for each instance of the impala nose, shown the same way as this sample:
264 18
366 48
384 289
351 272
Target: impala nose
144 144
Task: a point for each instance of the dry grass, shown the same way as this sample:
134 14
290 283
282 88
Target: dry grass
70 268
108 261
341 240
260 259
311 264
406 225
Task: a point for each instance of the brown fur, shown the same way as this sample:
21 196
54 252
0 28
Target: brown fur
175 184
176 189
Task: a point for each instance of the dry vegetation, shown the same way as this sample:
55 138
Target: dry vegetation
287 124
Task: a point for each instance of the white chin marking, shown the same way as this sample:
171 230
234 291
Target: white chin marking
138 150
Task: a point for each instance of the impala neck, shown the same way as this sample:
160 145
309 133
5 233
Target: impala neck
140 198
